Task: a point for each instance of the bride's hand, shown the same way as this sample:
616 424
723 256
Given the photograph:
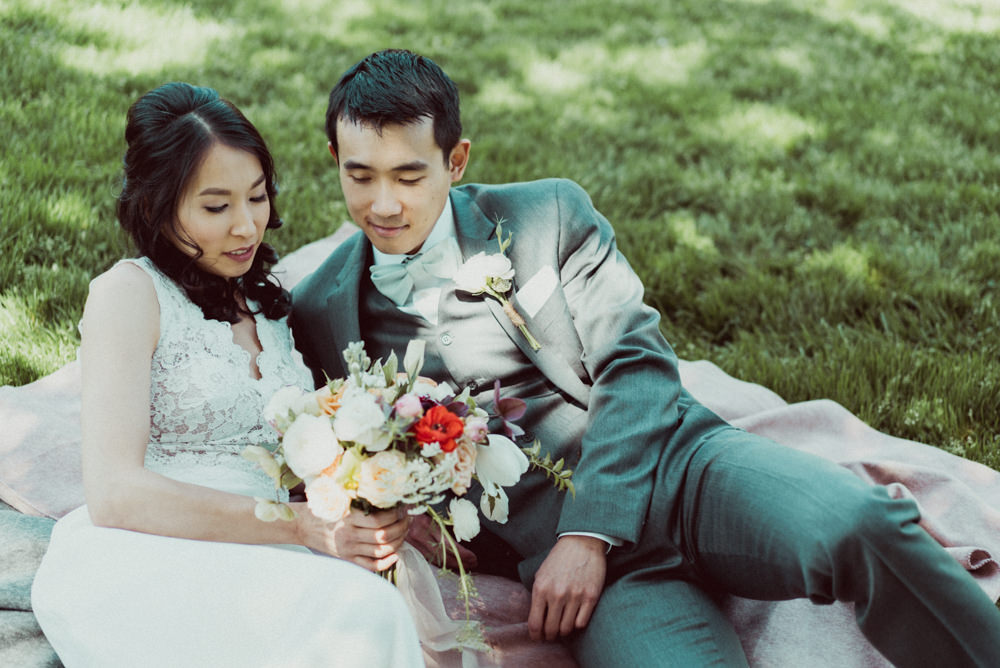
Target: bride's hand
370 541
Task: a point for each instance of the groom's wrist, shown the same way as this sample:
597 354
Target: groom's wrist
610 540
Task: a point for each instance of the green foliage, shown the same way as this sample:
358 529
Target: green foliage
555 471
811 191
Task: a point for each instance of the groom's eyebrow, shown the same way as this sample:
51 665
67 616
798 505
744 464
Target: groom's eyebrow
412 166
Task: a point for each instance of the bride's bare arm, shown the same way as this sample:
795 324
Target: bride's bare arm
120 330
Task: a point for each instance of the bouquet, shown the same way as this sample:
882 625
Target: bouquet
381 438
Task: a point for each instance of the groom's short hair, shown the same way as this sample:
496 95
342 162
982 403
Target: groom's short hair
395 86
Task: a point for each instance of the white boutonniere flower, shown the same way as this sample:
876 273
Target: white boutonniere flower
493 275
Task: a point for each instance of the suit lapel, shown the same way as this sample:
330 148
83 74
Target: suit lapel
477 234
342 298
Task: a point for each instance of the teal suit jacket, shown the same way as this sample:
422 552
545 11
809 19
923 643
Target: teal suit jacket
600 346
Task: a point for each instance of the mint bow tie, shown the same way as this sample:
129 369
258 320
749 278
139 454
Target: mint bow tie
397 281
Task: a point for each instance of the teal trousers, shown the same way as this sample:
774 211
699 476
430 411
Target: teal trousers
762 521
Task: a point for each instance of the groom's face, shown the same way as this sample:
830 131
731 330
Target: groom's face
396 181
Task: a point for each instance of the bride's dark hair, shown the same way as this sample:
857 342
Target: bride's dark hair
169 132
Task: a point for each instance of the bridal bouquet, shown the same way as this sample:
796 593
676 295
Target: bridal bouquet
383 437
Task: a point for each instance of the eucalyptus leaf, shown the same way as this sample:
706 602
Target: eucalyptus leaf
263 458
289 479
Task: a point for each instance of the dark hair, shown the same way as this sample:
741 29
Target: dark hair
396 86
169 132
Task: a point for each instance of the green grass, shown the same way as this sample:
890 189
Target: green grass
809 190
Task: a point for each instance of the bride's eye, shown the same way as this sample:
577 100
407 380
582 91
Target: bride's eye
216 209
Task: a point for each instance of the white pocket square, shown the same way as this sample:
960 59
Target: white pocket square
536 291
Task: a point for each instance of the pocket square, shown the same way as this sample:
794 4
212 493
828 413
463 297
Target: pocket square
536 291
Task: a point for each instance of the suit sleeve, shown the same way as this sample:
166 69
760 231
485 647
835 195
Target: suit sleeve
634 374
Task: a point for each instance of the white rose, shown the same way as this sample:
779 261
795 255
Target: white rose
465 518
472 275
500 463
310 446
383 478
327 499
360 420
283 406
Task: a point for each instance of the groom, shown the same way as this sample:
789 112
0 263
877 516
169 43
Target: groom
673 506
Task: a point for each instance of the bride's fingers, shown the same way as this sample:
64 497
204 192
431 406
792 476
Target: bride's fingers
383 564
378 519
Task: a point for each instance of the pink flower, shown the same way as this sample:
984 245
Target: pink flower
464 467
476 429
408 406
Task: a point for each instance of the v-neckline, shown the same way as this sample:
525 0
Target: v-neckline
254 359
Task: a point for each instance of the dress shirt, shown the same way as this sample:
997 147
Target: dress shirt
424 302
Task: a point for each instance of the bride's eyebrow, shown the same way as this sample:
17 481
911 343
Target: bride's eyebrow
224 191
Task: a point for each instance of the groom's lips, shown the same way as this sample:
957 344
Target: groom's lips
387 231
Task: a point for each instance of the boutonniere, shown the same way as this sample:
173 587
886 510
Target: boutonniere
494 275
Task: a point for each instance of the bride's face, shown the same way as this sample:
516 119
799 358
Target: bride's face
224 212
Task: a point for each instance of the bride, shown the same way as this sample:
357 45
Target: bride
167 565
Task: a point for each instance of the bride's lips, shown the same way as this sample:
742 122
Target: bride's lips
241 254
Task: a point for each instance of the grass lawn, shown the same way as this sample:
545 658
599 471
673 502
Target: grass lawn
811 191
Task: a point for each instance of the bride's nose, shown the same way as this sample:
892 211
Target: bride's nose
243 223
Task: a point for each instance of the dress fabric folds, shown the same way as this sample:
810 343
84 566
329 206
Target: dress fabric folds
111 597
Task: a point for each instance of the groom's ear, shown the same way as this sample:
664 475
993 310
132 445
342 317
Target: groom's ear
333 152
458 159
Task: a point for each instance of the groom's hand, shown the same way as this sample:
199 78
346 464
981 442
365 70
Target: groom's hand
567 587
426 537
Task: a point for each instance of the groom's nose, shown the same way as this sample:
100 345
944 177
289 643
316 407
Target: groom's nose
386 204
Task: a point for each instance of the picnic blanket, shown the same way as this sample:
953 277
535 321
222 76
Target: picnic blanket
959 500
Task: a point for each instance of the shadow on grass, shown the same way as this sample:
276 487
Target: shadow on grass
777 169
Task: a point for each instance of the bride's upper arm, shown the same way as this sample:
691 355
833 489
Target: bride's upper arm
119 332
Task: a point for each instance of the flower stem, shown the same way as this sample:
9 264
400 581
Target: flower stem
518 321
464 587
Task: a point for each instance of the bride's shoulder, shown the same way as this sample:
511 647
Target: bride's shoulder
125 290
124 278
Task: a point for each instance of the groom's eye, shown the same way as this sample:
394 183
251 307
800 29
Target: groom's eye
360 179
411 182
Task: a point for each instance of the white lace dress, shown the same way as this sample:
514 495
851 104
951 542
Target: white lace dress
110 597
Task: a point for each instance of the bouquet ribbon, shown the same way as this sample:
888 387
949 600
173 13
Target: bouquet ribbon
439 634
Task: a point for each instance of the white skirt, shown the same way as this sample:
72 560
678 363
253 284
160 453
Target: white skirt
110 597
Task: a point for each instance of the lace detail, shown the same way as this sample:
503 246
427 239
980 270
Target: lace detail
205 406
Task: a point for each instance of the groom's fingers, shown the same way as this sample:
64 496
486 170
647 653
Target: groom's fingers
567 587
536 617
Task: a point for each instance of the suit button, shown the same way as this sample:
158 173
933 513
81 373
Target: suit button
447 338
478 384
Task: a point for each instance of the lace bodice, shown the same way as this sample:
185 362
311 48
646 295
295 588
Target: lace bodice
205 406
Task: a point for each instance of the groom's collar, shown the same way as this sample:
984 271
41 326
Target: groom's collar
443 229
